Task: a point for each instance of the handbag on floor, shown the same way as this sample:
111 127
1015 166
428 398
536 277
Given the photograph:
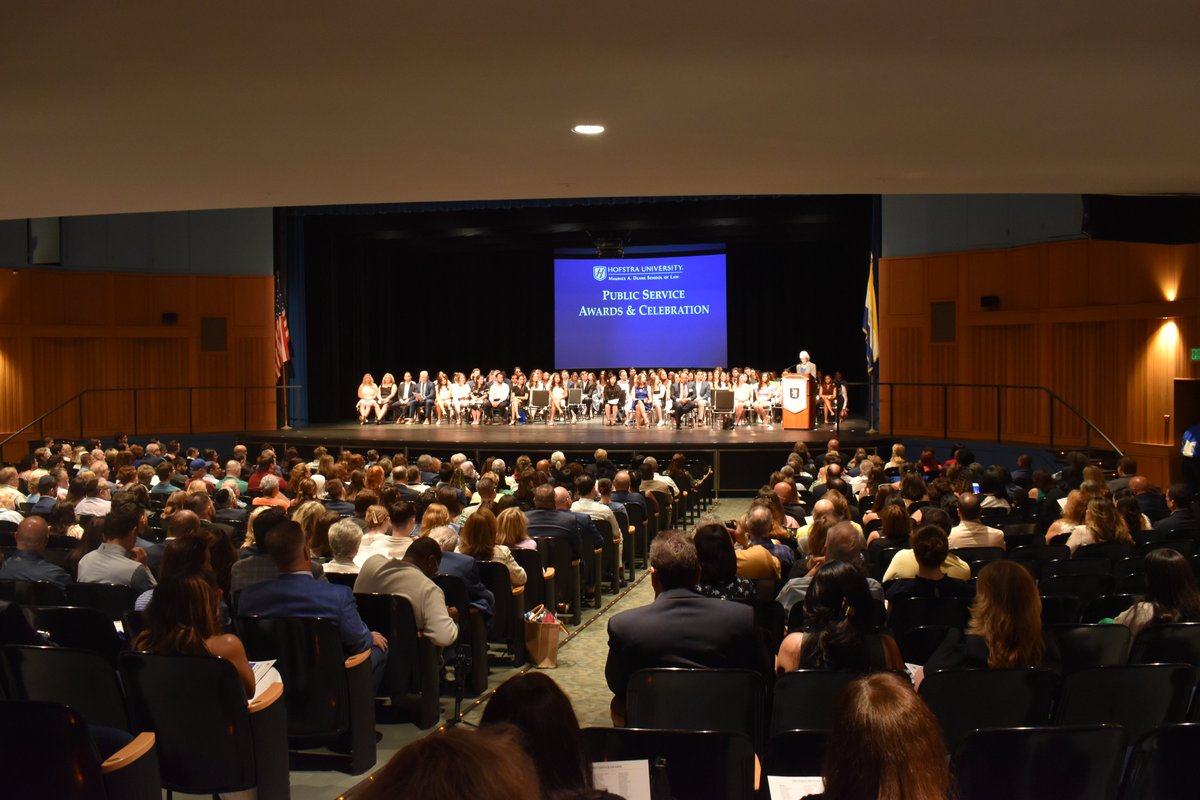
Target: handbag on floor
541 637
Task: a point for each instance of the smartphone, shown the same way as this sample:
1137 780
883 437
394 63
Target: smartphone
975 488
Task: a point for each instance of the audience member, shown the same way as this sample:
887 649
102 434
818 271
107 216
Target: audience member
117 560
839 631
1183 518
842 543
970 532
462 566
680 628
930 547
718 565
478 540
1171 593
885 743
1102 525
28 562
512 530
344 540
904 563
411 578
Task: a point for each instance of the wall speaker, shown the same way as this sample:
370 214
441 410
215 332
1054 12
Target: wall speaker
170 318
989 302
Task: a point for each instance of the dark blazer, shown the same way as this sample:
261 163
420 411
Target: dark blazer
297 594
465 567
1181 520
400 396
236 519
682 629
556 523
605 469
1153 506
632 498
702 389
681 392
588 530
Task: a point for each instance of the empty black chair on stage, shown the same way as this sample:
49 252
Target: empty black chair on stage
1163 764
1086 646
731 700
83 628
1038 763
700 765
112 599
1138 697
556 554
410 678
804 699
329 698
472 631
46 752
209 739
33 593
508 621
964 700
84 680
1168 643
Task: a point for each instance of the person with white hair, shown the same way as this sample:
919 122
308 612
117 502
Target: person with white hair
233 471
345 537
8 509
464 567
806 365
270 494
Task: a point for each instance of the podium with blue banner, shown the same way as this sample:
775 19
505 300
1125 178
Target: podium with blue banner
799 400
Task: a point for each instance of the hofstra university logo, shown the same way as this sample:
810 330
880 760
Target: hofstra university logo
599 273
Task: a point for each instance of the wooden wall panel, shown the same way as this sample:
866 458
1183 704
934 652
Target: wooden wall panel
1106 325
105 330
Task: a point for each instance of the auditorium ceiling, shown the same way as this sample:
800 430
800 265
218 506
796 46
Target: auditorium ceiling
150 106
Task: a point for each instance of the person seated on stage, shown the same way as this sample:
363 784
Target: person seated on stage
558 397
742 393
658 399
587 392
404 395
443 402
614 400
368 392
499 394
479 399
827 396
387 396
422 399
701 393
842 403
764 398
460 396
518 396
641 401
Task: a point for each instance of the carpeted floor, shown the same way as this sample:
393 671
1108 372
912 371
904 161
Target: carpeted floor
580 672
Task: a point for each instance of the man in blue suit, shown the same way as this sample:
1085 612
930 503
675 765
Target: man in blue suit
463 566
544 519
295 593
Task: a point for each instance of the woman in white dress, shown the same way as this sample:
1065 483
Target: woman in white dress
367 393
741 398
558 398
460 396
764 398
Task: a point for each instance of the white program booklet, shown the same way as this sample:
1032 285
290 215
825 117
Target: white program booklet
261 668
628 779
793 787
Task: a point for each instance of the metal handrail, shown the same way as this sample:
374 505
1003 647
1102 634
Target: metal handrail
78 397
999 389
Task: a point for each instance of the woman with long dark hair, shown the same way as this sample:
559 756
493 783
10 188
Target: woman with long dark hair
1171 593
718 565
184 618
838 630
535 705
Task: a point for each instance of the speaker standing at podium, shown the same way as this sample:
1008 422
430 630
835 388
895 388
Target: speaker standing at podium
806 367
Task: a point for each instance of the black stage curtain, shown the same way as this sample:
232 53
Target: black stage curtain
389 294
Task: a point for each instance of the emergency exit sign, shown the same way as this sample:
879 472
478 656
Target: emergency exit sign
1196 354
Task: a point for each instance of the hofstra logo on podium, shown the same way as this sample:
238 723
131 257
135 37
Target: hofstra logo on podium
599 273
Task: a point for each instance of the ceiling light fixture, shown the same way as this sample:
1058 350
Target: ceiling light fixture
589 130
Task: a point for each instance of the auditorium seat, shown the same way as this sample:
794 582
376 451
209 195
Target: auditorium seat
964 700
1106 606
329 698
1086 646
508 626
919 643
729 700
84 680
795 752
1138 697
112 599
555 554
1175 643
1073 566
1040 763
1084 587
804 699
46 752
539 582
32 593
1163 764
472 632
411 676
210 740
906 613
84 628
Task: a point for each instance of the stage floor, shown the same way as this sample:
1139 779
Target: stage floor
588 434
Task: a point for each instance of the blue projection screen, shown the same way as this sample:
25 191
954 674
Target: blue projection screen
639 312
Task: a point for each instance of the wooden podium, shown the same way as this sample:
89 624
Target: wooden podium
799 400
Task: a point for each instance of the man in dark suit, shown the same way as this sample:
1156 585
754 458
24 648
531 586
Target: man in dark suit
680 628
405 390
682 399
588 532
1023 475
202 507
228 513
422 398
1149 498
1127 467
1182 519
544 519
463 566
294 593
602 468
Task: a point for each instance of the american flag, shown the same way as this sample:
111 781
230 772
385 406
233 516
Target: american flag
283 337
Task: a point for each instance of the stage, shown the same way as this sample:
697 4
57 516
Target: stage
743 457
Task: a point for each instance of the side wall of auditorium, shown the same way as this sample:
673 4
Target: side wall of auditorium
96 321
1106 325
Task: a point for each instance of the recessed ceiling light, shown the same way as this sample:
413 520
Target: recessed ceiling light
589 130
